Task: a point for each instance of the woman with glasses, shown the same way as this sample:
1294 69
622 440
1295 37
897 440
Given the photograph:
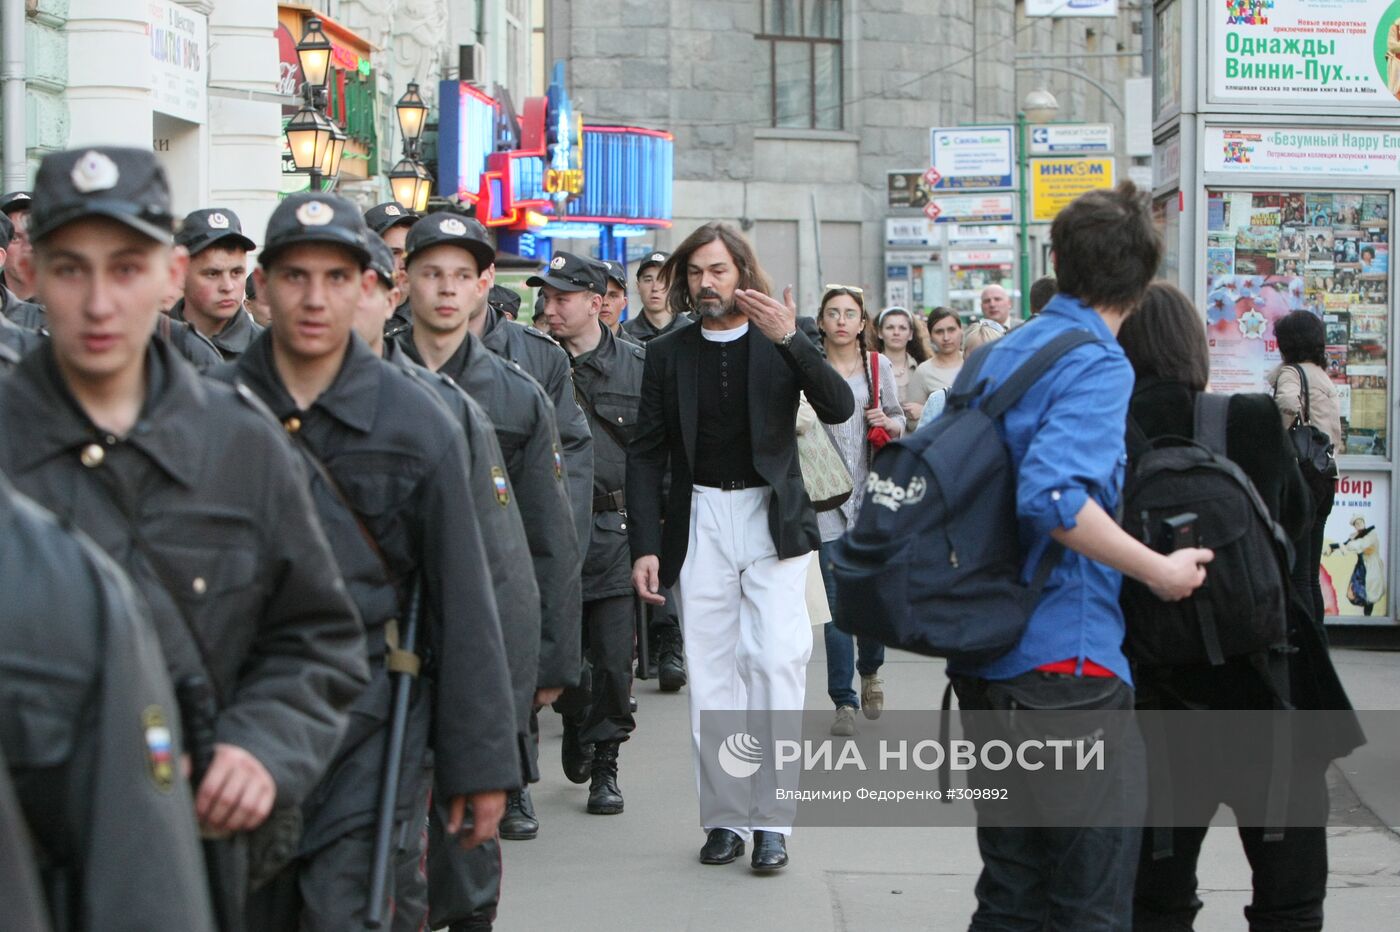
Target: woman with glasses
842 320
895 337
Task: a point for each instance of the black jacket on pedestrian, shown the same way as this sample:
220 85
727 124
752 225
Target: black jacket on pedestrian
547 363
608 384
507 547
525 428
666 431
232 341
1257 443
393 468
204 505
87 734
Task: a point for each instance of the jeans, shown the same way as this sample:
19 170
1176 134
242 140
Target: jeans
1042 879
841 661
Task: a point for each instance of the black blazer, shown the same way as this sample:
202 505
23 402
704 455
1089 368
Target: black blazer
666 431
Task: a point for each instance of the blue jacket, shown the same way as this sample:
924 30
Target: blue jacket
1066 441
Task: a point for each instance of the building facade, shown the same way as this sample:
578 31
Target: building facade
790 114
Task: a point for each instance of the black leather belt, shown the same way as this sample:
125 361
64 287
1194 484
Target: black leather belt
612 501
733 485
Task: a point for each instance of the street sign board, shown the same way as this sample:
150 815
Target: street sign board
1069 138
1061 9
906 189
971 158
1056 182
911 231
972 208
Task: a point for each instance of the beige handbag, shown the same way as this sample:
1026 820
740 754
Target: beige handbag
826 477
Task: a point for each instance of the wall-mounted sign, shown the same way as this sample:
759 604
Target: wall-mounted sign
1166 162
1062 9
1307 151
971 208
1331 53
179 42
907 189
1071 138
1056 182
971 157
912 231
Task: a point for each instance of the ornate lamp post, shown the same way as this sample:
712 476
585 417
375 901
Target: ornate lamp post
408 179
316 142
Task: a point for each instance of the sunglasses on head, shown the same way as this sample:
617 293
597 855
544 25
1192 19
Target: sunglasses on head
853 289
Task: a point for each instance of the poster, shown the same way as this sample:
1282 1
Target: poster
1331 53
1355 548
1269 253
1287 150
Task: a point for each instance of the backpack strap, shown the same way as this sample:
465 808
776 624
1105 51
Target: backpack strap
1030 371
1212 414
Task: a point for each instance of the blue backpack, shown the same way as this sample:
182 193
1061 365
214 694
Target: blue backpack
933 563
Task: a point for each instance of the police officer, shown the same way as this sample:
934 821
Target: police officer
450 270
615 301
87 725
546 363
214 285
607 380
390 480
14 206
13 244
187 484
656 317
391 222
504 301
19 339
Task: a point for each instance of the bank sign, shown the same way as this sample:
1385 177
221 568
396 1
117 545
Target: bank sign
1332 53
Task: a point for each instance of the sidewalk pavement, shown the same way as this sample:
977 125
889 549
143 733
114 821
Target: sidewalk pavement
639 870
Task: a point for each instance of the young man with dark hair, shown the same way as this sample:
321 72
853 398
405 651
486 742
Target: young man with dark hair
188 484
1042 290
389 477
607 374
718 421
215 282
1066 439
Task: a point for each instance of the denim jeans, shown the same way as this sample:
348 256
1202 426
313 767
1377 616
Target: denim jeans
841 661
1061 879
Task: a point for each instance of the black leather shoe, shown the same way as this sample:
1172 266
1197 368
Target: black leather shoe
721 847
576 756
604 798
519 822
671 667
769 852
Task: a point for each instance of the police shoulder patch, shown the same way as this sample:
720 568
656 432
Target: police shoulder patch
160 748
558 463
500 485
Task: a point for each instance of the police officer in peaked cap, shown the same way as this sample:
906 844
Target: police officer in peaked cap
656 317
392 222
615 301
216 280
191 487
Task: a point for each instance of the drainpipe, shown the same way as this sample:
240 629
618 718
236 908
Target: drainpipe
16 167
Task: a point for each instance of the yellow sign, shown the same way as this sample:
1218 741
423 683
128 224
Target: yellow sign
1056 182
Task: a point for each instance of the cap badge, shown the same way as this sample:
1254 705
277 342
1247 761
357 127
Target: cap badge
657 257
393 211
218 221
453 227
95 172
315 214
558 263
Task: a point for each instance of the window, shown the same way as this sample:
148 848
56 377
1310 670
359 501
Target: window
801 43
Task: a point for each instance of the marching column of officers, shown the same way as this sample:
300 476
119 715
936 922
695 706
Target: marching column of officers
259 572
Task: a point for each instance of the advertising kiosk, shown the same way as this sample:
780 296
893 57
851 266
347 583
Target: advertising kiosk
1276 171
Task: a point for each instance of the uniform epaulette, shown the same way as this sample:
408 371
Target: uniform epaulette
251 399
539 333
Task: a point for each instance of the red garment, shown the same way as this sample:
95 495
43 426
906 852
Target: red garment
1067 667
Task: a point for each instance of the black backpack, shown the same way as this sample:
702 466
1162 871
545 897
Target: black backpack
933 563
1242 608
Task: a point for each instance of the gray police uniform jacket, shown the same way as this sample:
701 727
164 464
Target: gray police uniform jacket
16 342
388 451
232 341
546 362
524 422
507 548
643 331
608 383
26 314
191 345
204 505
87 722
19 875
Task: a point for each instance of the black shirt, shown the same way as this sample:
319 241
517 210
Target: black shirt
723 450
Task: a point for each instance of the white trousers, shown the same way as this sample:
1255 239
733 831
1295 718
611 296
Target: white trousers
744 614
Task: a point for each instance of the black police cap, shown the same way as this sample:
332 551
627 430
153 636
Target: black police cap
316 217
125 185
7 231
614 271
382 218
381 259
568 272
504 300
15 200
213 225
445 228
653 259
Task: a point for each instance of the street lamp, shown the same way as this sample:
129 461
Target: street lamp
408 179
316 142
1038 106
